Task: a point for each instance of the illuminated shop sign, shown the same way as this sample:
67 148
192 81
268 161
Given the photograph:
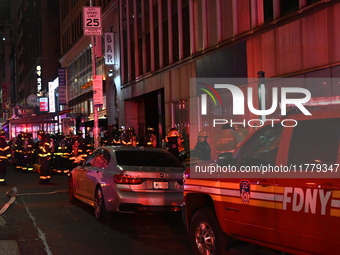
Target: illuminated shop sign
62 86
51 94
108 37
39 83
43 103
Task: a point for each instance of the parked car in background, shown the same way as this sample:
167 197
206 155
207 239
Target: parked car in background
128 179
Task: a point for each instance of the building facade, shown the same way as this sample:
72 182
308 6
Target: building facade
166 43
31 49
161 45
76 57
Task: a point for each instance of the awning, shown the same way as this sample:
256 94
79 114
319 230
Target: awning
90 123
41 118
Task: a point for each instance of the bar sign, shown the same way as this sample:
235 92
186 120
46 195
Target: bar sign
109 57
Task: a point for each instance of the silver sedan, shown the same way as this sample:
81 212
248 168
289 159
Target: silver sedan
128 179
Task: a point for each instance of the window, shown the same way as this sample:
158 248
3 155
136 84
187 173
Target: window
310 2
102 159
261 148
268 10
315 141
90 160
147 158
288 6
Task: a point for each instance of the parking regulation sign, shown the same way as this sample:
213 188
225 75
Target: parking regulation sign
92 20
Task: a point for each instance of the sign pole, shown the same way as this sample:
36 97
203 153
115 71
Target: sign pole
95 107
92 26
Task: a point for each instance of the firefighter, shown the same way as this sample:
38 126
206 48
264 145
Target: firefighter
78 154
28 152
151 138
80 135
106 140
202 145
125 138
117 137
134 138
227 139
89 144
44 157
5 154
130 138
18 151
62 154
172 142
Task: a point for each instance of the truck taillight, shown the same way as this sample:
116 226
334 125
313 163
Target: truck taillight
127 179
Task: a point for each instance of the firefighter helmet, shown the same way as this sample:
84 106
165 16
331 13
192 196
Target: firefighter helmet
173 132
41 132
202 133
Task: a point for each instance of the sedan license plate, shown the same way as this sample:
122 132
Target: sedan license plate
161 185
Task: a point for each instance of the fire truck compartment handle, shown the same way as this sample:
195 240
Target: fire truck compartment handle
264 183
328 186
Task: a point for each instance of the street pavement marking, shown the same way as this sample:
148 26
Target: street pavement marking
41 234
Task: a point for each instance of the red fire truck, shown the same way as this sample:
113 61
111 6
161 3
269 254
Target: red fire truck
279 189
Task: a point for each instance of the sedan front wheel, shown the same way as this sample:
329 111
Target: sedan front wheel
206 235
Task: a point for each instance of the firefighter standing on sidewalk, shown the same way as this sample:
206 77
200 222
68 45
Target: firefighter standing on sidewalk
44 157
5 154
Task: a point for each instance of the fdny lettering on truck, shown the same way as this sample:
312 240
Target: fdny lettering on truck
309 200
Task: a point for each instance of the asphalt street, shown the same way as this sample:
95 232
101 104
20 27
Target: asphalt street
22 184
41 220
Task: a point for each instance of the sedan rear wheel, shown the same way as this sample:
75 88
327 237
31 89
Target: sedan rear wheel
99 206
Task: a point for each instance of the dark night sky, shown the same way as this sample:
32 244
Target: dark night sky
4 9
4 12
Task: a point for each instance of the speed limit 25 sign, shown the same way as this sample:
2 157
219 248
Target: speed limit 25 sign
92 20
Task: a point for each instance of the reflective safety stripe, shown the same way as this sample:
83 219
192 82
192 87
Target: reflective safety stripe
262 196
275 197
